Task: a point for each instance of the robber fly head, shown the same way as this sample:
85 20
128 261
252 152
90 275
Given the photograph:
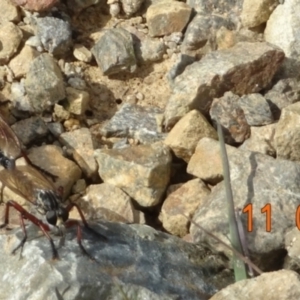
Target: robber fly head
49 204
7 162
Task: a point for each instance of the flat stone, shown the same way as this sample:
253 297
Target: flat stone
185 135
82 53
81 143
44 83
229 113
245 68
21 62
257 12
51 159
256 109
108 202
167 17
10 39
55 35
287 138
182 202
114 52
283 284
284 23
142 171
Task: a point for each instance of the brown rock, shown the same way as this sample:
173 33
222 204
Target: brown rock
9 13
35 5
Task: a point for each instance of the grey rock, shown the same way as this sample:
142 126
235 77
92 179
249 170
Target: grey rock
150 50
283 93
56 128
134 121
44 83
135 261
257 179
142 171
256 109
202 28
55 35
130 7
292 245
29 130
77 83
114 52
227 111
287 138
245 68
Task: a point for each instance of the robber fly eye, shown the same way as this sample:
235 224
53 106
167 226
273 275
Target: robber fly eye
63 214
51 217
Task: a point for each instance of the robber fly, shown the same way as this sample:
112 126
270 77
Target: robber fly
30 184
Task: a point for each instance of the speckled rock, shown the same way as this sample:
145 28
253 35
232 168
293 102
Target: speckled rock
44 83
142 171
10 39
185 135
130 7
167 17
114 52
245 68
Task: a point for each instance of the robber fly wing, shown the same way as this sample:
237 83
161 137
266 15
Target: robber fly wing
9 142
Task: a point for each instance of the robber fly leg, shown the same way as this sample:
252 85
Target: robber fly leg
23 241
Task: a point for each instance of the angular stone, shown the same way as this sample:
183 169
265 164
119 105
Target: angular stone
81 143
20 63
78 101
284 23
283 284
245 68
10 39
258 180
227 111
50 158
256 109
150 50
167 17
287 135
108 202
182 202
114 52
256 12
9 12
130 7
44 83
134 121
142 171
185 135
82 53
261 140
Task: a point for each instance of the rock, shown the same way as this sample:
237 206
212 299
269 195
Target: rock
20 63
35 5
82 53
287 139
150 50
245 68
257 12
44 83
108 202
283 284
80 141
130 7
77 83
55 128
128 252
19 98
55 35
134 121
182 202
203 28
261 140
76 6
283 93
228 112
185 135
260 180
142 171
50 158
256 109
60 113
31 129
10 39
78 101
206 162
9 13
167 17
283 23
292 245
114 52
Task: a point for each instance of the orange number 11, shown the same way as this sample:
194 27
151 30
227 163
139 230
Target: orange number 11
249 210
